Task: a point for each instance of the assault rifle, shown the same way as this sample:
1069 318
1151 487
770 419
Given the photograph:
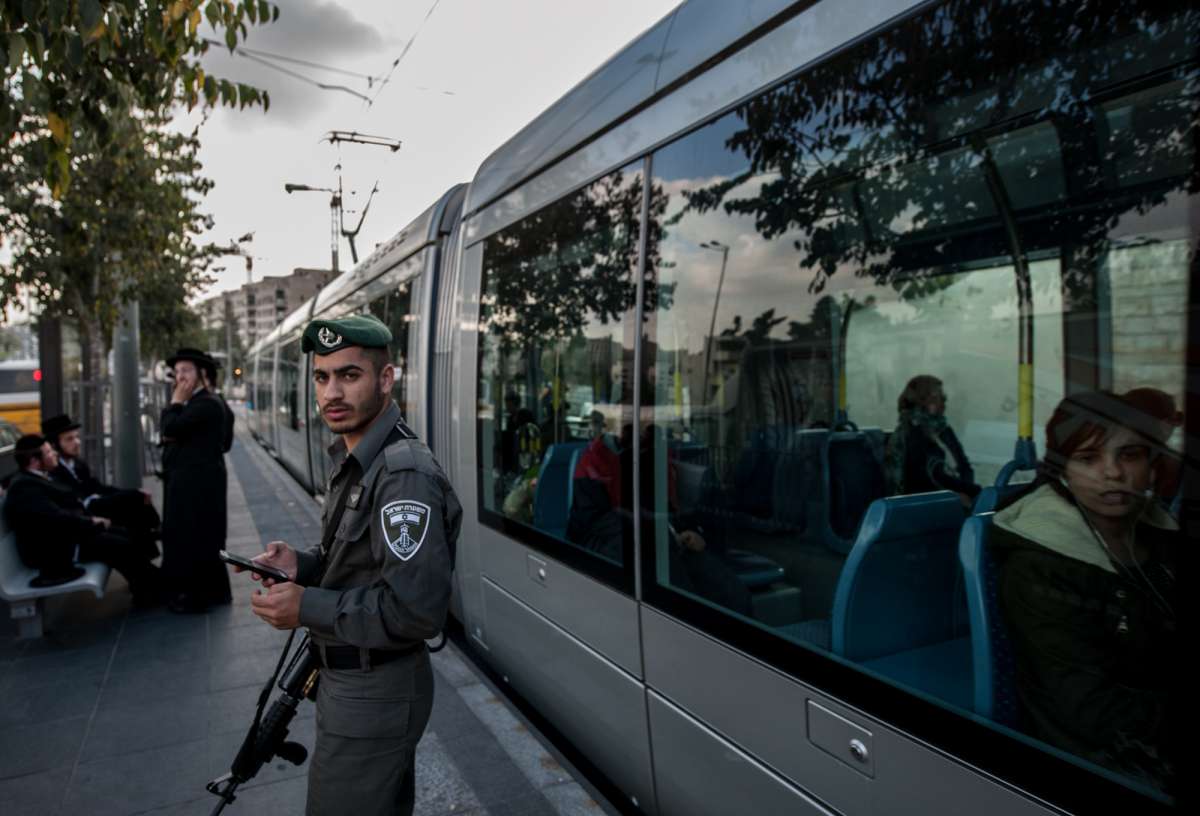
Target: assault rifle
267 737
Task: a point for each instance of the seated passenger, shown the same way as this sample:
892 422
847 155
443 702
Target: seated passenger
53 531
923 453
129 509
1086 558
598 525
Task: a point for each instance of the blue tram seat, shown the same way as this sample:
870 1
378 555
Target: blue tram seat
853 478
896 603
992 658
552 496
991 496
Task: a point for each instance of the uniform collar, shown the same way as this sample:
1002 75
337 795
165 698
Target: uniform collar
367 448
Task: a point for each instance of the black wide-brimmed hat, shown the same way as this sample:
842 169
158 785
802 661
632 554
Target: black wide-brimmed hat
200 358
56 425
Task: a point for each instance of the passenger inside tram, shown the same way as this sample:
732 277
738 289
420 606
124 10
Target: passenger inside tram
923 453
1087 561
602 518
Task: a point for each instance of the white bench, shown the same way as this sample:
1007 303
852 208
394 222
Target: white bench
24 600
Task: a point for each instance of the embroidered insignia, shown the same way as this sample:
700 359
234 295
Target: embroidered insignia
328 337
404 524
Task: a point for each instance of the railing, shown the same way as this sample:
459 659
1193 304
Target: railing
80 402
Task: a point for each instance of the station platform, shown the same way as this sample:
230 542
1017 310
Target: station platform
118 711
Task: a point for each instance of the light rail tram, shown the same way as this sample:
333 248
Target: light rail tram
658 343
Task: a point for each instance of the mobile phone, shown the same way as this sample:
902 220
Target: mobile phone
261 570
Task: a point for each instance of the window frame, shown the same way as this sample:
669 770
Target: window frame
619 577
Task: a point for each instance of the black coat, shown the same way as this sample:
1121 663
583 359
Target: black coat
48 521
194 512
81 482
1095 650
925 463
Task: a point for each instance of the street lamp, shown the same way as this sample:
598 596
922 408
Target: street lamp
715 246
335 211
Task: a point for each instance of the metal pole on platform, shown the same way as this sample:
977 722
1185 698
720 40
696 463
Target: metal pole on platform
127 427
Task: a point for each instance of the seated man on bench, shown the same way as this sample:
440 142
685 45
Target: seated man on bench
129 509
53 530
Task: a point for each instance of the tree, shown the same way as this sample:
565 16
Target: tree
75 66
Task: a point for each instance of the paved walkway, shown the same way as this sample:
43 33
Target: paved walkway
117 711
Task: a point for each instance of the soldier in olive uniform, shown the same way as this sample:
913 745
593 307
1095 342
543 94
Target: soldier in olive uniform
378 585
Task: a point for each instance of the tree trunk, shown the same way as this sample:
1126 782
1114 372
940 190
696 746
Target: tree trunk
92 390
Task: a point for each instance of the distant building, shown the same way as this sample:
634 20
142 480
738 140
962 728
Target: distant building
262 305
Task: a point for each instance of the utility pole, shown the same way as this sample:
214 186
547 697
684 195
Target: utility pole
335 214
336 211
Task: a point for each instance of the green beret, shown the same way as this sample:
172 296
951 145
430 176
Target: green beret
328 336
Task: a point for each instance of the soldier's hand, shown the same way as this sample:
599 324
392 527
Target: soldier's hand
278 555
279 605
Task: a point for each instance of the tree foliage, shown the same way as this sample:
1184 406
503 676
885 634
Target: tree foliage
571 263
123 230
75 66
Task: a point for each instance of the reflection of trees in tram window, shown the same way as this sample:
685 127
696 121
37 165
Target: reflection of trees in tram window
559 290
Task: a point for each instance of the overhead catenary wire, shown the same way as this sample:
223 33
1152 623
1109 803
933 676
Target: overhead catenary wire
266 58
404 52
371 80
301 77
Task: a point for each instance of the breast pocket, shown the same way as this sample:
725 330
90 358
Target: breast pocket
351 547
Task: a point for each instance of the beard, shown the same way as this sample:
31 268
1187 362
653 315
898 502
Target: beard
357 417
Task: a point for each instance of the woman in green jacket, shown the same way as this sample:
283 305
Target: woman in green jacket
1087 588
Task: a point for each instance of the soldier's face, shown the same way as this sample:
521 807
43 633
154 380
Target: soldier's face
350 392
69 443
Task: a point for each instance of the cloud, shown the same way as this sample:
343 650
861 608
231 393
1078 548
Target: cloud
318 31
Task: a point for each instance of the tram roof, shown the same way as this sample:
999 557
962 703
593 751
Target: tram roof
416 234
676 45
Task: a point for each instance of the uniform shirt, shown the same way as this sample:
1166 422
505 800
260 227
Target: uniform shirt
384 582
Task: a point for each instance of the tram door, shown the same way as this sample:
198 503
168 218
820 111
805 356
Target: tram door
553 470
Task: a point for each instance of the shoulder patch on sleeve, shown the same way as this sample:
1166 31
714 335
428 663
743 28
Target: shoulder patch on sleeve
403 525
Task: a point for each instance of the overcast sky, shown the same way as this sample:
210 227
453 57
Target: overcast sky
478 71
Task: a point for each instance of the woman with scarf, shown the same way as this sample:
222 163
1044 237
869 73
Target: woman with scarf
923 453
1086 559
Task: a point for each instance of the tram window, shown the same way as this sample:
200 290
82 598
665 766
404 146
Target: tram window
826 242
395 309
290 362
972 353
554 377
266 384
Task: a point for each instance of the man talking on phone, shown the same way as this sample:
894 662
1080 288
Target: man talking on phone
377 586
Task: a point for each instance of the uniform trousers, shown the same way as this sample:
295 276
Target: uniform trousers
368 726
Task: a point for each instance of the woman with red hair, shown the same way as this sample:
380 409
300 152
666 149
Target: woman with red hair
1087 587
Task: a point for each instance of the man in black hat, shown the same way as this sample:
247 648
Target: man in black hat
194 482
376 587
54 531
128 509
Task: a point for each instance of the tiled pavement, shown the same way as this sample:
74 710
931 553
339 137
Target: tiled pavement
118 711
